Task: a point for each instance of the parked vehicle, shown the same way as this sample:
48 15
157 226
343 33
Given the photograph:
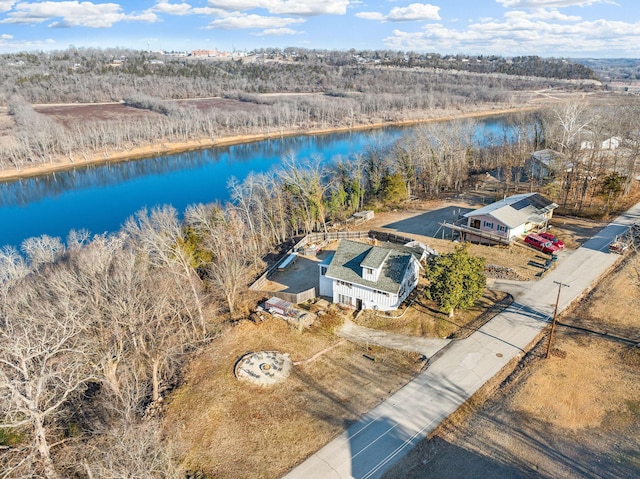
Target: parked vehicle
619 247
553 239
540 243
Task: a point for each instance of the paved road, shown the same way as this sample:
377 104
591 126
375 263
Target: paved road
389 431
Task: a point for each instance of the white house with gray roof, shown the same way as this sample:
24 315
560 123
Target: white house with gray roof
510 217
367 276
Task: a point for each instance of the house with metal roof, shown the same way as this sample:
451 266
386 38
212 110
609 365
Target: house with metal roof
509 217
544 164
368 276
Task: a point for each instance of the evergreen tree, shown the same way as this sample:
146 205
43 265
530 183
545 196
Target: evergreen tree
457 279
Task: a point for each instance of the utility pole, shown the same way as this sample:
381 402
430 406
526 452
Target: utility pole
555 314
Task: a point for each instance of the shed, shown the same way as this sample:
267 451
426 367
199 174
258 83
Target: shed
278 306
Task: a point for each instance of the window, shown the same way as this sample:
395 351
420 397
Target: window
323 270
343 299
488 225
502 228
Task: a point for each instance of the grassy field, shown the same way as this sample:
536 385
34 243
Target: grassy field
574 415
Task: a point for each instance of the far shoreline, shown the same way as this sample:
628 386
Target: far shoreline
162 148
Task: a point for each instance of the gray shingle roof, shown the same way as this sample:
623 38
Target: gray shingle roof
348 259
375 258
517 209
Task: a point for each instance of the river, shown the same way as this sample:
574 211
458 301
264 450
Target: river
100 198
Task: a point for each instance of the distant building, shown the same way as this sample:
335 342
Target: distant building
204 53
545 164
612 143
366 276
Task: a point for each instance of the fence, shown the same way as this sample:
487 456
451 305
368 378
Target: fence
259 283
296 298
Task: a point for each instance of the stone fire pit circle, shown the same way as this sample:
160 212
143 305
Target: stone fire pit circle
263 368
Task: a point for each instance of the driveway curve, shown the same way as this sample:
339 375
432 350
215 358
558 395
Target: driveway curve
359 334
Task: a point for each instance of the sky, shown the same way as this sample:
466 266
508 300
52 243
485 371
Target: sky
548 28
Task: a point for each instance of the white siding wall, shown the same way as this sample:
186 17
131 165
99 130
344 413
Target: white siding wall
371 299
520 230
325 285
374 299
371 274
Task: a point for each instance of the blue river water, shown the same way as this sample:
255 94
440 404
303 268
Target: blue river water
100 198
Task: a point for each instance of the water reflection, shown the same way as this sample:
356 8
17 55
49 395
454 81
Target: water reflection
100 198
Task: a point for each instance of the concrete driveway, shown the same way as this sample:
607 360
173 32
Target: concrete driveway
428 223
359 334
389 431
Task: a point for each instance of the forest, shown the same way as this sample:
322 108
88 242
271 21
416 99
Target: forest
96 330
339 91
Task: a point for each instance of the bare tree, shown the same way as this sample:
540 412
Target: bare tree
41 250
43 362
160 237
307 185
223 234
129 450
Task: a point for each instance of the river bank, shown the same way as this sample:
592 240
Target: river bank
167 148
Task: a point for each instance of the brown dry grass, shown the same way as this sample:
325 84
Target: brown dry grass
577 391
574 231
574 415
228 429
423 318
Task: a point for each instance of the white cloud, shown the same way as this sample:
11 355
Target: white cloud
370 15
520 34
287 7
5 5
241 20
543 14
6 36
549 3
73 14
7 43
163 6
415 11
218 12
412 12
279 31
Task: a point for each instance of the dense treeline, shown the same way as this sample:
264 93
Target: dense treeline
92 75
346 95
533 66
613 69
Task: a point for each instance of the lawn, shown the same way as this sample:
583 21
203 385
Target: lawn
224 428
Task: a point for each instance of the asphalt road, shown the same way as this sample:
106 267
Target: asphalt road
389 431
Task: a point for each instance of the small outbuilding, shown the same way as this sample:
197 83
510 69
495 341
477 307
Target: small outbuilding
278 306
544 164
